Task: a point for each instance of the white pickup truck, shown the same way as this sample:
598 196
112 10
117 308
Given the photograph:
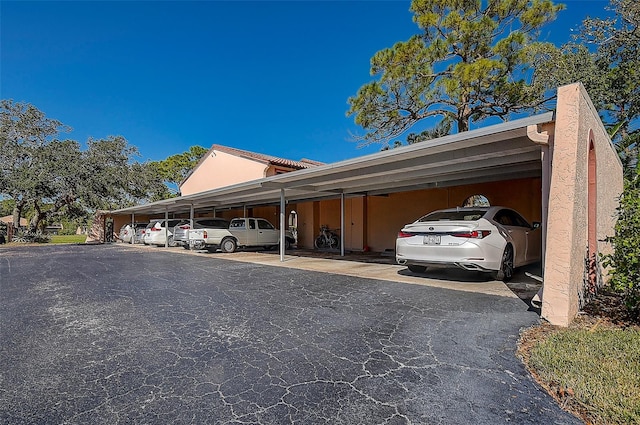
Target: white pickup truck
242 232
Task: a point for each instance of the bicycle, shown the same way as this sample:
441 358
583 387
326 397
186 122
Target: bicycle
327 239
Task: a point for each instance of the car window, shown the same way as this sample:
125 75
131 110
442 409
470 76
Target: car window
213 223
462 215
510 218
264 224
220 224
519 220
237 224
174 223
252 224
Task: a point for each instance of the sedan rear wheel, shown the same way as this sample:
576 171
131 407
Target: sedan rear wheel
417 269
506 268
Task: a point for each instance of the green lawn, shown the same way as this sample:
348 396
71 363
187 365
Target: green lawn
68 238
595 372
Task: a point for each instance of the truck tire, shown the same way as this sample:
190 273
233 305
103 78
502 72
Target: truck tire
228 245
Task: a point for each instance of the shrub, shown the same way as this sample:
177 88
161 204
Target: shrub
32 237
625 259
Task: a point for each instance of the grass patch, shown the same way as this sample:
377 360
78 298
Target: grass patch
68 238
594 372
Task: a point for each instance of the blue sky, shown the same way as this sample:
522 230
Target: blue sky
266 76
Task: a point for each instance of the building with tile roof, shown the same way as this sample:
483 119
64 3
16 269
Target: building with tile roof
224 166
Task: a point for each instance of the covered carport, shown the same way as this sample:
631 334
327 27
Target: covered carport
569 152
512 150
504 152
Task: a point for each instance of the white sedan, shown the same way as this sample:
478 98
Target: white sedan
487 239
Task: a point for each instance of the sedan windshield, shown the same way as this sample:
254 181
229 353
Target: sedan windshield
461 215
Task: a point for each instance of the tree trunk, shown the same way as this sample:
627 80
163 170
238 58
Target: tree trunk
17 213
463 114
37 218
463 125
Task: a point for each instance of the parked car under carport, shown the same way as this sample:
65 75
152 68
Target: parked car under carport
486 239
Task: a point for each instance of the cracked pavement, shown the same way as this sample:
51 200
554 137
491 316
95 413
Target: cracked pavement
108 335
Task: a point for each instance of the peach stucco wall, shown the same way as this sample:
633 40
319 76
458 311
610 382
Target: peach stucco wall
220 169
565 277
373 222
388 214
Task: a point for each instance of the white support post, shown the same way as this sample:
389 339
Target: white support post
545 142
191 216
546 185
166 227
543 139
133 228
282 216
342 224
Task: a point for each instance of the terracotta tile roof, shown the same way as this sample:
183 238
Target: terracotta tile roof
274 160
9 219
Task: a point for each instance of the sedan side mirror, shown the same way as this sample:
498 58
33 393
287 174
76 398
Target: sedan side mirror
536 224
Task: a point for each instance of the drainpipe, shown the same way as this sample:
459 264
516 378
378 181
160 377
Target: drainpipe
542 138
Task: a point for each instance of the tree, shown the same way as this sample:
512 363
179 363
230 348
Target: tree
625 258
6 207
57 178
175 168
469 63
610 71
23 130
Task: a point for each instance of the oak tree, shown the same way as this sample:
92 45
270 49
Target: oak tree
56 178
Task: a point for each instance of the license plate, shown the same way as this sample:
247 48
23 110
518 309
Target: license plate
431 240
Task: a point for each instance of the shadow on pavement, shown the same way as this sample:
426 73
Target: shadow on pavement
523 286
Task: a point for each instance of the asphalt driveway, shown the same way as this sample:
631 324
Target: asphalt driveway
110 335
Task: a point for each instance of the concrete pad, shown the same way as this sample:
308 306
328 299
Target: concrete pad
457 280
386 272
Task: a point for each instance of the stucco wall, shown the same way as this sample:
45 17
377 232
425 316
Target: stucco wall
306 224
387 215
565 277
221 169
373 222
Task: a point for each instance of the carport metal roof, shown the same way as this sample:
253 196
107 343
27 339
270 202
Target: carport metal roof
499 152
